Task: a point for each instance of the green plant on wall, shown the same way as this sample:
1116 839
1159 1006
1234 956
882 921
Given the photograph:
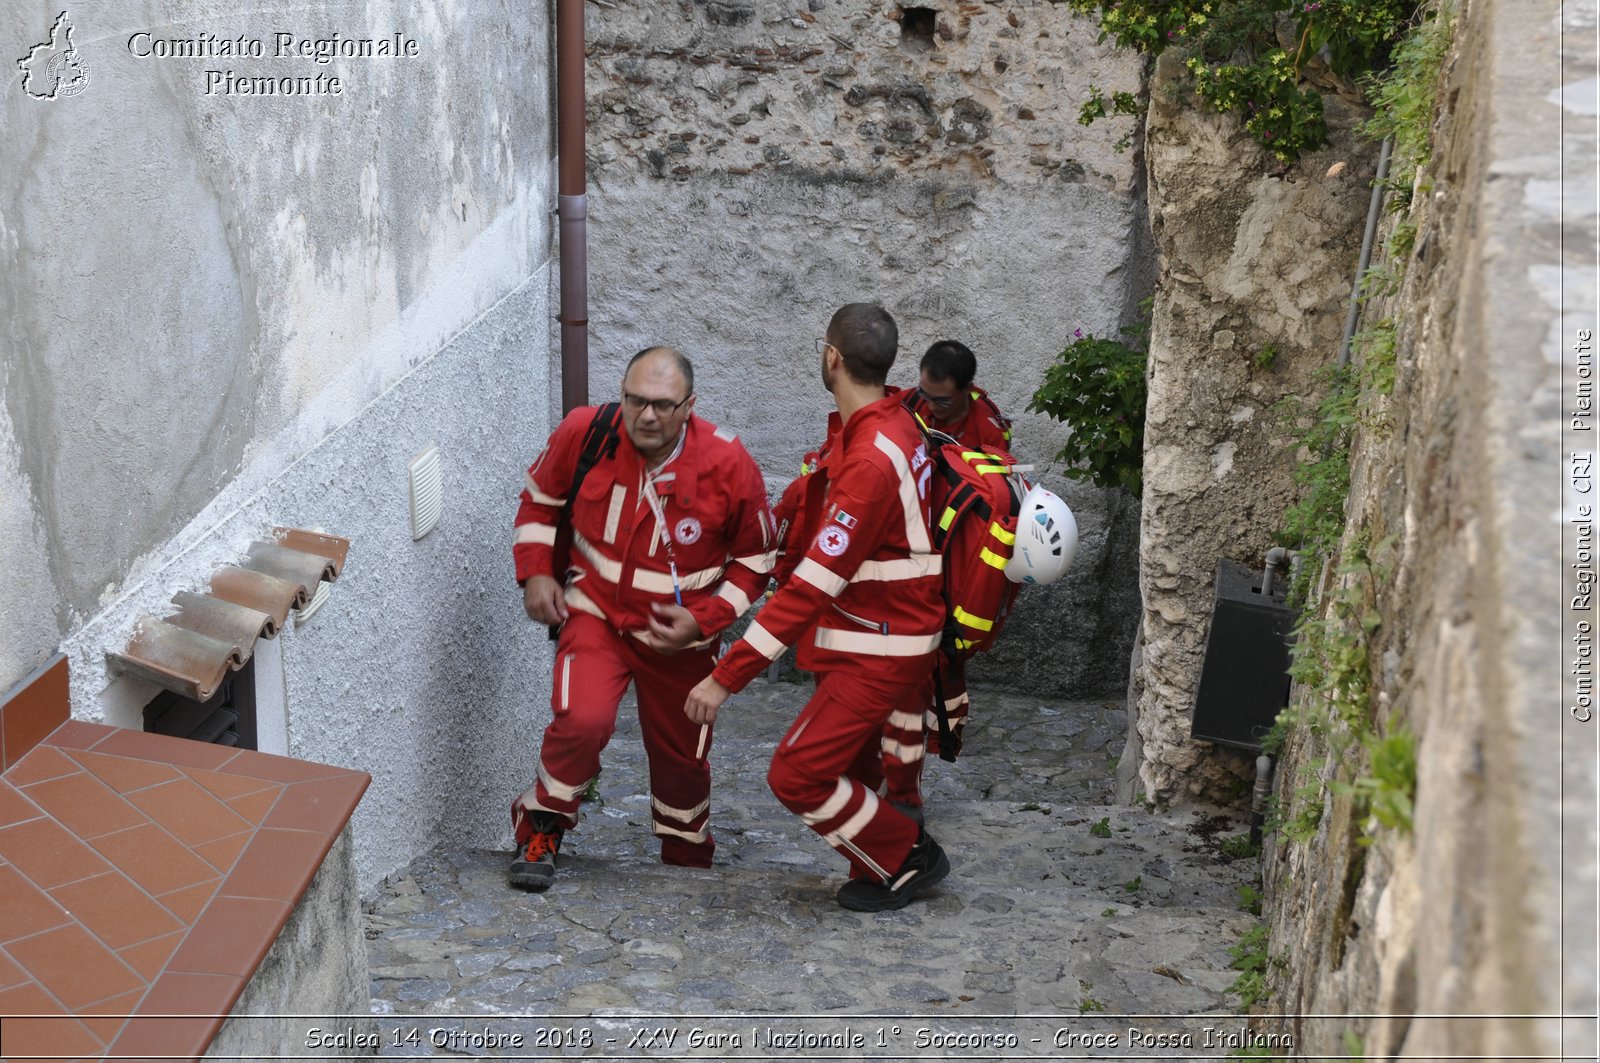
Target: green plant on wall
1250 57
1097 388
1384 793
1315 522
1404 97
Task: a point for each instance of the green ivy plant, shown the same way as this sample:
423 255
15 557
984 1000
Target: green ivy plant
1249 955
1097 387
1249 57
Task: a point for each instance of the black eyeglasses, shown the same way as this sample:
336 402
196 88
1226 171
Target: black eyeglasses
940 402
664 407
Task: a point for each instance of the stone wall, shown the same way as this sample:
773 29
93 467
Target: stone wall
755 165
1486 907
1255 265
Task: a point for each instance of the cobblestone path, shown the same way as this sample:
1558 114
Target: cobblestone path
1064 919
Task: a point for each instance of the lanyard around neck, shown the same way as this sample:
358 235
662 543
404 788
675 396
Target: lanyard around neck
659 512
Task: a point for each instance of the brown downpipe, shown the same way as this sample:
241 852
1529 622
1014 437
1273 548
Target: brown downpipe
572 205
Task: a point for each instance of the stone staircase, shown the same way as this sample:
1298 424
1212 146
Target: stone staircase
1065 919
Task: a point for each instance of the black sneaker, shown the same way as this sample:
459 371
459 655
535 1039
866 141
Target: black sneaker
925 866
535 866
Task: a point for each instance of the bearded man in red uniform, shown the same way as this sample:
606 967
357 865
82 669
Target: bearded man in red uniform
864 604
671 539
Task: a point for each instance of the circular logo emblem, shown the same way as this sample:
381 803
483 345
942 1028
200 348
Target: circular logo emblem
833 541
687 531
68 73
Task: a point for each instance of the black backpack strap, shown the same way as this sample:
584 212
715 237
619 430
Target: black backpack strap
599 442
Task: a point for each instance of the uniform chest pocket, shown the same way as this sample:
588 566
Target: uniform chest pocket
600 508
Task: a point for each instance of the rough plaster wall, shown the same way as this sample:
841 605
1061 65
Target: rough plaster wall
1465 914
754 166
420 668
317 967
196 289
1248 259
251 312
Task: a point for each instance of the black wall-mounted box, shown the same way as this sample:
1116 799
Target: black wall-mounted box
1244 682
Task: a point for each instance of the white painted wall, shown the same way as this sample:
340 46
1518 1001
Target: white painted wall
221 313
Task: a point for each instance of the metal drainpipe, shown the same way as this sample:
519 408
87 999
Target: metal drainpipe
1374 206
572 205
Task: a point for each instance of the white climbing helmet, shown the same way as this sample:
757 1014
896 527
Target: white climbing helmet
1047 537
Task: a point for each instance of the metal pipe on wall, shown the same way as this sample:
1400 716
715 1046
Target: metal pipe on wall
572 205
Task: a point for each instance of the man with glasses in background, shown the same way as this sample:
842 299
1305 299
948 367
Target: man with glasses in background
671 538
948 402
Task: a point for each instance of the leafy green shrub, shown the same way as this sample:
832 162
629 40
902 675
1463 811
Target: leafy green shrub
1403 99
1097 387
1248 57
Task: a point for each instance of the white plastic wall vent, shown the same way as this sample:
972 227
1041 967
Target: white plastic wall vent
303 615
427 491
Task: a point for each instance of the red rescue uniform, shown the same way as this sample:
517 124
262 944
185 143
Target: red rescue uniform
696 528
982 427
863 604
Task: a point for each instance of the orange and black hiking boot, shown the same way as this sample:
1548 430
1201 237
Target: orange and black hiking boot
535 867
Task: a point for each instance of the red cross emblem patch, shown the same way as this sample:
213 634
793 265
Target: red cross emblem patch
833 540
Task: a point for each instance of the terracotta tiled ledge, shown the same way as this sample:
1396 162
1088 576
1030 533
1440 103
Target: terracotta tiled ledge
143 876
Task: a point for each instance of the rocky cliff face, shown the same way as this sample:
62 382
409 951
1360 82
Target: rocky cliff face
1474 910
754 166
1255 266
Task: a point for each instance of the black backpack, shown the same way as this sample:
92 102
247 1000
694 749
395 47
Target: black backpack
600 441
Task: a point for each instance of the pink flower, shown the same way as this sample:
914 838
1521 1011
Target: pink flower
1077 333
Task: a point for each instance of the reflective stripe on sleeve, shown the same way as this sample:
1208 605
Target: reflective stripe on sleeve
543 534
989 557
734 597
539 496
829 583
763 642
872 644
904 568
1000 533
